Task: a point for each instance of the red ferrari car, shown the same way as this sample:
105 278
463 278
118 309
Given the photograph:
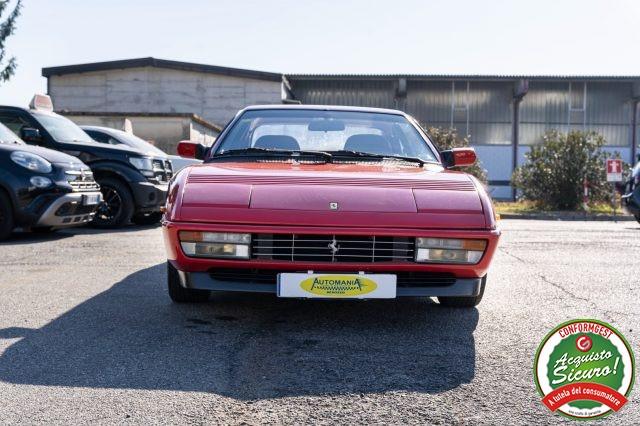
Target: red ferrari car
328 202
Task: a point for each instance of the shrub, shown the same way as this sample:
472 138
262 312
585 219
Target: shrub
446 138
554 172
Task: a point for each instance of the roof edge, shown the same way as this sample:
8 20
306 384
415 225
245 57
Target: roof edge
159 63
278 77
477 77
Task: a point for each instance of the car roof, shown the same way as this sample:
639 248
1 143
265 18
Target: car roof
27 110
14 108
325 108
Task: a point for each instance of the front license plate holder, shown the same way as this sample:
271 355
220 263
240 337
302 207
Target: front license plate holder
337 285
91 199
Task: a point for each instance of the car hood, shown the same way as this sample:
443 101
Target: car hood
50 155
106 149
331 195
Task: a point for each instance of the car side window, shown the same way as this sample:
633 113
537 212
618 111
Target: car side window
14 122
97 136
102 137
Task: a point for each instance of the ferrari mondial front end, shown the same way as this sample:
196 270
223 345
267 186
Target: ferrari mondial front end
328 202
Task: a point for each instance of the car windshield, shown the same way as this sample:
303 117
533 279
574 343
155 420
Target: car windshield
7 136
62 129
336 132
136 142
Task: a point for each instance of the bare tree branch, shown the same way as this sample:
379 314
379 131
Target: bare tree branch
8 67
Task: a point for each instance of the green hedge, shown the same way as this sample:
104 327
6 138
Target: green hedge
554 172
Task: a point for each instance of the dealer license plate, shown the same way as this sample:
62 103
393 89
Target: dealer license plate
91 199
337 286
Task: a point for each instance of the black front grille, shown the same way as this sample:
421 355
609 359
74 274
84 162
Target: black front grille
332 248
269 276
81 180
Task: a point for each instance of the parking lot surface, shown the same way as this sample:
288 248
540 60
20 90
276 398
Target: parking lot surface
88 334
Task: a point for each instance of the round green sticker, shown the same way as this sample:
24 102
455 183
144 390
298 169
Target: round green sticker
584 369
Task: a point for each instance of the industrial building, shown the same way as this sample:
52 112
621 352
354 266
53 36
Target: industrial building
165 101
502 115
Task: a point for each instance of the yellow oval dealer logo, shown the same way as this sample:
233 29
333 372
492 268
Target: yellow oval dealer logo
338 285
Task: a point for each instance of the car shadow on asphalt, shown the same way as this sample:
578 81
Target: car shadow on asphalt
132 227
246 347
22 237
28 237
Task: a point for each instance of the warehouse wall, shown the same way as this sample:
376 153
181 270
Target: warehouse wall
483 110
370 93
603 107
216 98
480 109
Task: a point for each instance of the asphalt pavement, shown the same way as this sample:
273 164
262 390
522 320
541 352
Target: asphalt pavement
89 335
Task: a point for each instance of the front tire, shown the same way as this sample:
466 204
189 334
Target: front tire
6 216
464 301
179 294
638 217
117 207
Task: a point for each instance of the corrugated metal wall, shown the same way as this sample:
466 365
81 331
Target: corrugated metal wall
483 110
376 93
603 107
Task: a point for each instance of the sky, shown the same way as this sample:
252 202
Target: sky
559 37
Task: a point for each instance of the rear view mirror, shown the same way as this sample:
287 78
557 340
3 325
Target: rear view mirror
458 157
189 149
29 134
326 126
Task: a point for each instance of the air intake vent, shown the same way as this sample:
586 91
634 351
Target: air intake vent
332 248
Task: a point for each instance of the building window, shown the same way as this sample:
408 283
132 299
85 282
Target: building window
460 106
577 116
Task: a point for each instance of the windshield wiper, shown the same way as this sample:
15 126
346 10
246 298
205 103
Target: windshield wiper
360 154
257 152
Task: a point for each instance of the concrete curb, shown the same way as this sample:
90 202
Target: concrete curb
573 216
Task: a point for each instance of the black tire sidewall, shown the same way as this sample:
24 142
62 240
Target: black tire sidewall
127 208
6 208
464 301
179 294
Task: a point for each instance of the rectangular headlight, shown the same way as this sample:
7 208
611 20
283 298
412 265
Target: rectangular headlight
448 250
220 245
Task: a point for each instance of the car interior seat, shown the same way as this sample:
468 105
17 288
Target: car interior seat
277 142
373 144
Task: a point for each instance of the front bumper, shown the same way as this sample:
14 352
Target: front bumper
422 279
149 197
68 210
205 281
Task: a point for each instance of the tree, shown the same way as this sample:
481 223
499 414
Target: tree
7 27
555 171
447 138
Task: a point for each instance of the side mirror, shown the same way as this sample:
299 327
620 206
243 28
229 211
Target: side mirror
458 157
29 134
189 149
